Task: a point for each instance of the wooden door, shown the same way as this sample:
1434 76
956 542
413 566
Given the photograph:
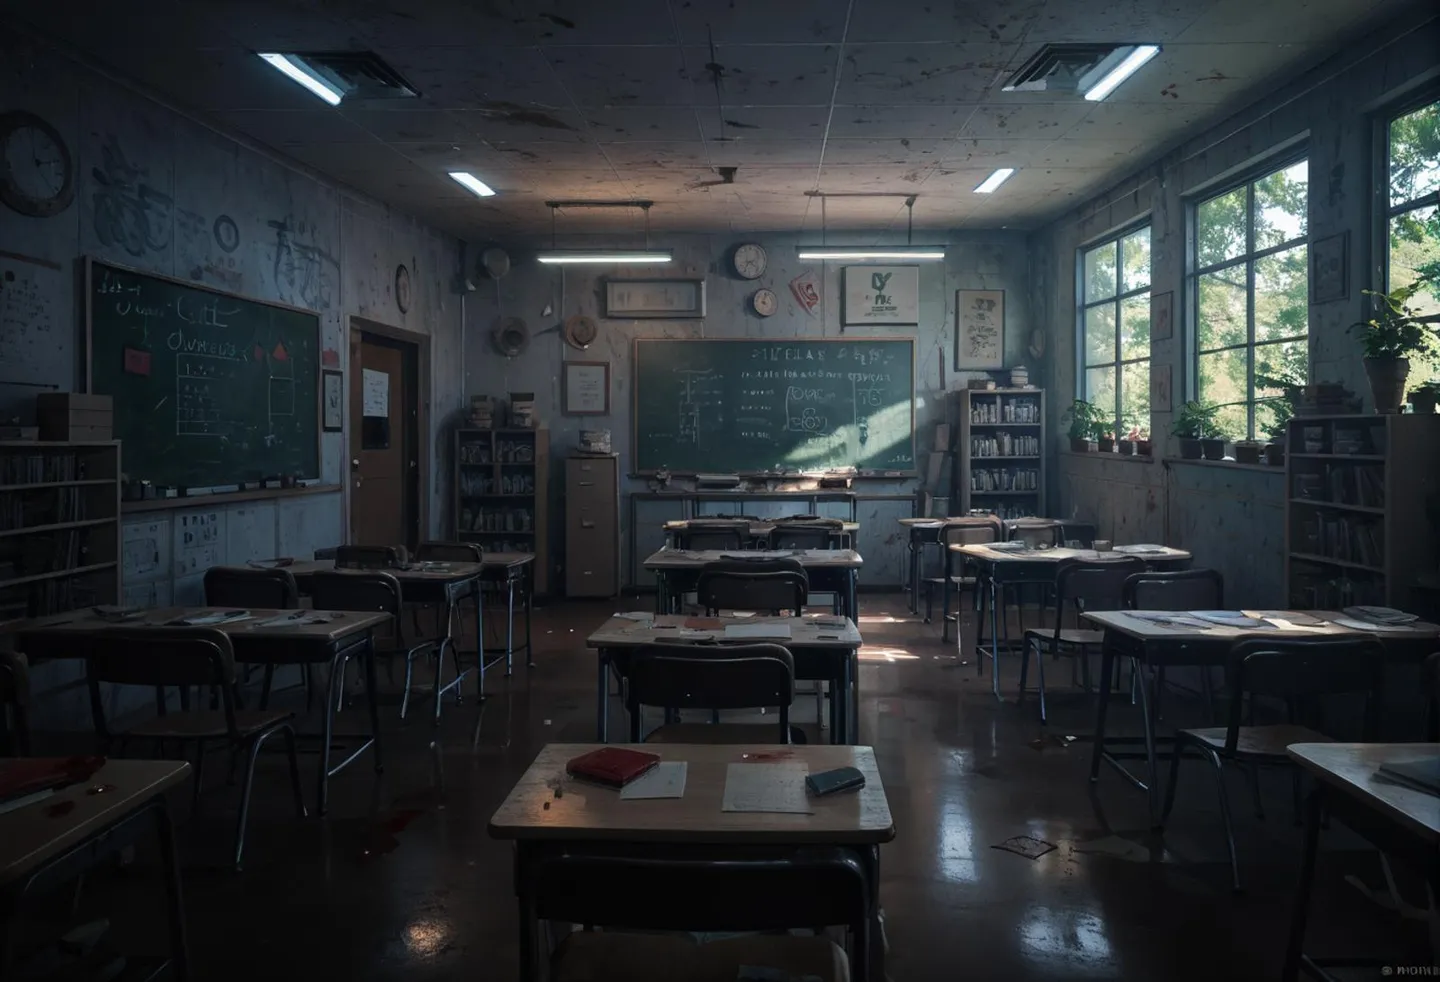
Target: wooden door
382 442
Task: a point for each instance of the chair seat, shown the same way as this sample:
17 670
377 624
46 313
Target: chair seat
954 580
1068 635
1257 741
716 733
205 724
777 956
622 956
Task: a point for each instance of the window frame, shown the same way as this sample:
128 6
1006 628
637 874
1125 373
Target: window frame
1247 259
1117 364
1380 242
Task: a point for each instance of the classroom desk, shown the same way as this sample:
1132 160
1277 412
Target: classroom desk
761 530
587 820
43 846
1010 567
830 570
922 532
346 634
821 652
1397 820
1155 645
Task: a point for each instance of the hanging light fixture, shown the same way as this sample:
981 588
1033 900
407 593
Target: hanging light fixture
908 251
627 257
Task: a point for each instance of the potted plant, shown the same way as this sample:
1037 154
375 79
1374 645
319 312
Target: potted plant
1281 410
1389 338
1248 451
1106 439
1212 444
1424 396
1192 422
1142 445
1126 443
1087 422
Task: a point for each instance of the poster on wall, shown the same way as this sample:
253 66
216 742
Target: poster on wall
375 397
806 290
881 296
587 388
979 330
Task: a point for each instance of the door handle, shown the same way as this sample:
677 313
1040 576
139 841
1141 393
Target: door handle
586 524
354 463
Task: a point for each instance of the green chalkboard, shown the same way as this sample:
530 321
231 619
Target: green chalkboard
210 388
745 405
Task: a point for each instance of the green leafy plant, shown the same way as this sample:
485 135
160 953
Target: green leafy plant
1087 421
1396 329
1195 420
1430 387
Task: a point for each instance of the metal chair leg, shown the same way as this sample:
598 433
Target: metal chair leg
1175 754
1025 667
1040 662
1254 770
1225 814
199 777
295 787
409 672
253 752
439 680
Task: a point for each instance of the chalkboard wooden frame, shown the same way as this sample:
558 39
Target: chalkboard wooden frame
87 345
913 472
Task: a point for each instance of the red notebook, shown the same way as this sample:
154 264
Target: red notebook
612 766
27 775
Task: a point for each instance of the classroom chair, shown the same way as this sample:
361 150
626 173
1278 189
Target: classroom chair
264 589
1080 532
956 531
727 534
14 704
448 552
1084 585
726 588
369 557
812 533
1298 673
688 676
1189 589
1038 534
182 657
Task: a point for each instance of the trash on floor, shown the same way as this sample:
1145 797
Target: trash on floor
1025 845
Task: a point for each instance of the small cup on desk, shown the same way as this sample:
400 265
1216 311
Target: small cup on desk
1102 545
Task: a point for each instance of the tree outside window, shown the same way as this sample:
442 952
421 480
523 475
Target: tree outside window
1250 290
1413 217
1115 331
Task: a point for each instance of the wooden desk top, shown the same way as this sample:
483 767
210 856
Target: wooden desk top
810 631
809 558
339 624
756 528
991 555
1352 769
586 812
33 834
1148 630
439 573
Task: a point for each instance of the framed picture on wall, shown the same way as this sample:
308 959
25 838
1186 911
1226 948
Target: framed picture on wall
655 298
332 401
881 296
1162 316
979 330
587 388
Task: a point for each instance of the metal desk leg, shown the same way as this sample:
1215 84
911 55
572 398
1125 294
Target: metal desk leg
852 723
602 697
841 730
1301 911
529 587
322 799
180 952
914 576
477 593
372 699
995 639
1152 786
1097 752
852 601
509 623
660 592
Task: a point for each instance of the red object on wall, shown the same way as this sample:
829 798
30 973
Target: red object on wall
137 362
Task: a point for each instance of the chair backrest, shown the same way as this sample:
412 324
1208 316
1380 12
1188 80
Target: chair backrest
760 564
1038 534
1094 584
802 518
1082 532
689 676
725 518
368 591
924 502
1189 589
14 704
159 656
970 531
449 552
1299 671
236 586
715 535
813 534
368 557
727 589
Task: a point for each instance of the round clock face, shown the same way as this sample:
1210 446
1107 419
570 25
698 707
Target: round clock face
37 176
750 261
402 288
765 302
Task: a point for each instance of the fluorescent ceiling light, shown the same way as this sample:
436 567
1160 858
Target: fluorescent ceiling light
472 183
999 177
629 257
865 252
292 67
1129 66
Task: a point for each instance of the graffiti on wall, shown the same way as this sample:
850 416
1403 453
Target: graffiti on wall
129 213
305 274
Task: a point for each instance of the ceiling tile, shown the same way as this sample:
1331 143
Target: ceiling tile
667 153
613 123
454 77
1208 74
764 74
761 22
897 122
1154 124
1299 22
295 126
414 126
891 151
507 121
587 22
956 22
757 123
745 153
906 74
1039 121
621 76
1117 20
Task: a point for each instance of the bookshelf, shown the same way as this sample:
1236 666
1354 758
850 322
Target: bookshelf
999 452
1360 493
501 493
59 526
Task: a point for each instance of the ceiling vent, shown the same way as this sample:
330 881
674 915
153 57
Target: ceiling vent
1066 67
358 74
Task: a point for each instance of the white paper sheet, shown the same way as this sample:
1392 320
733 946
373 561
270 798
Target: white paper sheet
776 788
642 616
664 780
1355 625
761 630
375 395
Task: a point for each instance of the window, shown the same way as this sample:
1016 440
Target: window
1413 216
1249 289
1115 330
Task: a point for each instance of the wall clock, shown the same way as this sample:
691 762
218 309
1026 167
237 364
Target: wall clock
750 260
37 174
764 302
402 288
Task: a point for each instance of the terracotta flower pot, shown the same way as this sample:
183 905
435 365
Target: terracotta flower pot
1107 444
1275 454
1142 447
1387 382
1081 445
1247 452
1423 402
1190 448
1213 449
1126 447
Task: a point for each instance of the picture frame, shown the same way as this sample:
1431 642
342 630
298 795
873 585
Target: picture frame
668 299
880 296
1162 395
979 330
586 388
1162 316
332 401
1330 268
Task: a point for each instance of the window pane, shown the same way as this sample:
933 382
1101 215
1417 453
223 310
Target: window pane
1221 301
1286 360
1135 398
1222 377
1100 334
1230 422
1282 303
1100 388
1415 248
1415 155
1135 327
1220 228
1280 205
1100 273
1135 259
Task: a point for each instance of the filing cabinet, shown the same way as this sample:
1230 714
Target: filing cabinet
592 526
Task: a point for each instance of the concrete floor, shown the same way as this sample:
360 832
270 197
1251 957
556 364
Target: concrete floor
402 881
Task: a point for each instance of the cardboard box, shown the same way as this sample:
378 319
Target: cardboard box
75 416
